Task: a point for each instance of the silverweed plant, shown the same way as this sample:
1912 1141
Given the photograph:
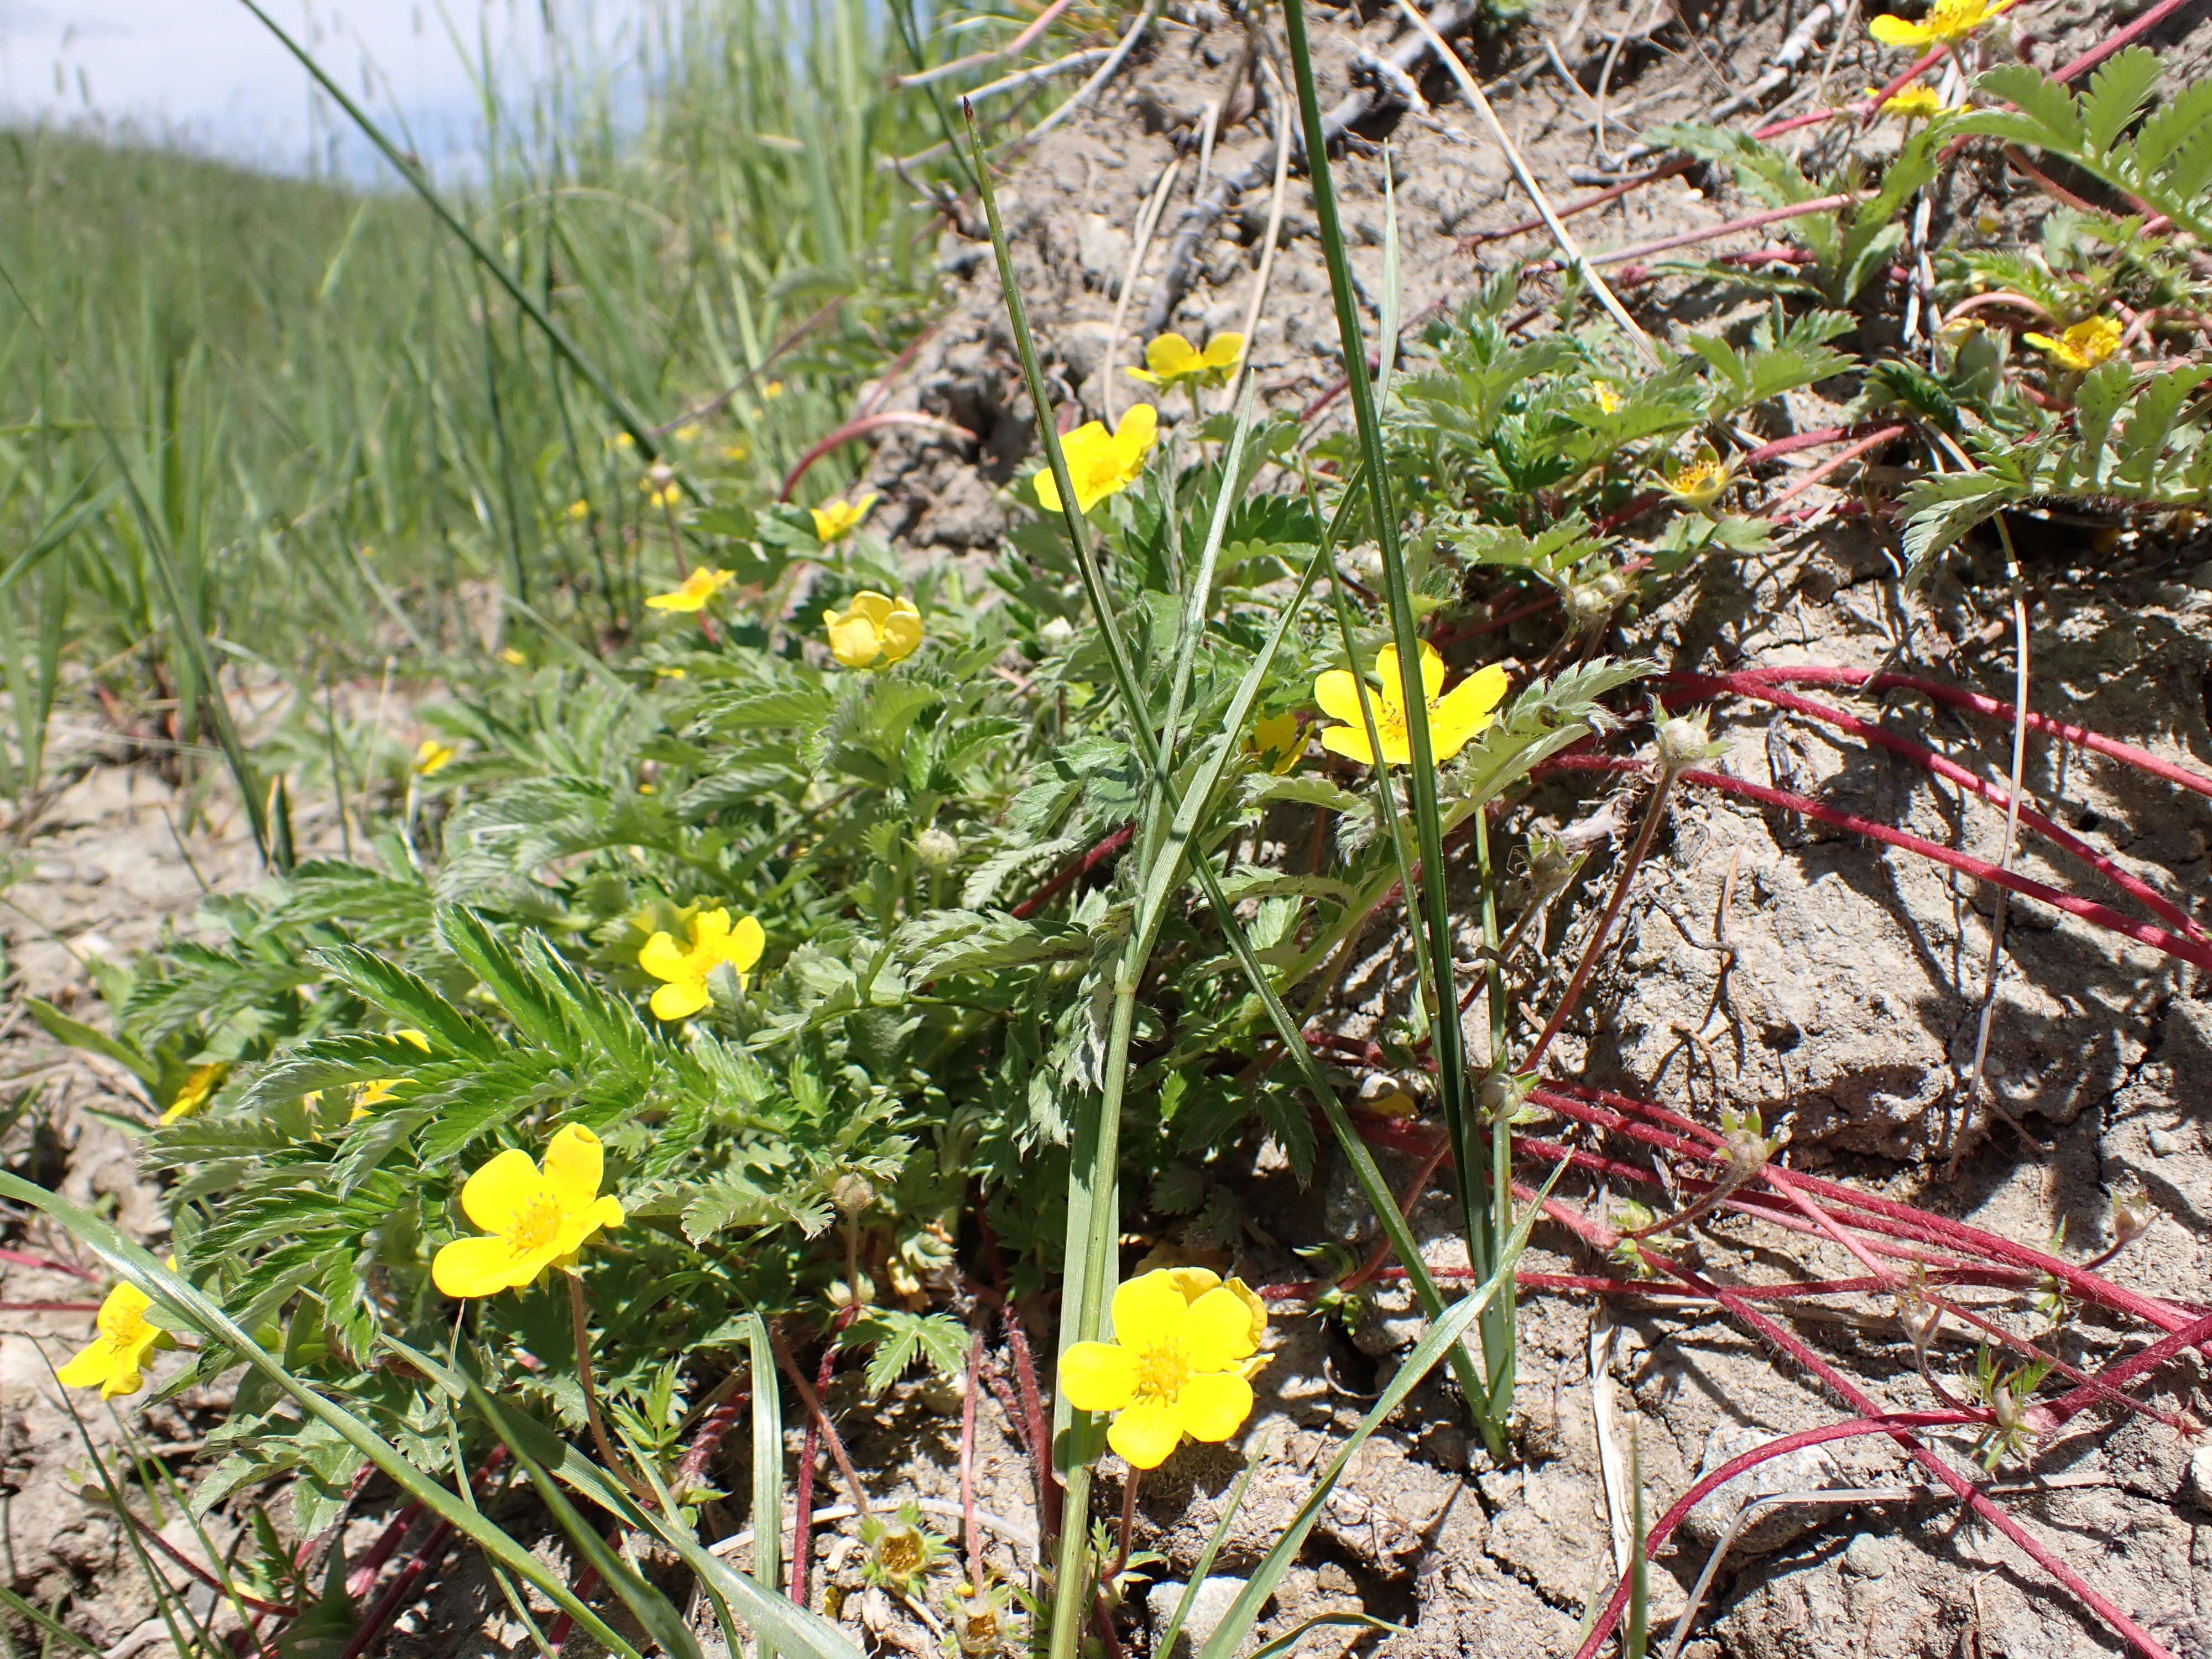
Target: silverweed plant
851 957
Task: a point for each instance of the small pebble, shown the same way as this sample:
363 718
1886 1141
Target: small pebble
2165 1142
1867 1556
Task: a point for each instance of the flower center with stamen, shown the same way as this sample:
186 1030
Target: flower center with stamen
535 1227
1162 1372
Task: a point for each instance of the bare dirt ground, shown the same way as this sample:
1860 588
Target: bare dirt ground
1833 984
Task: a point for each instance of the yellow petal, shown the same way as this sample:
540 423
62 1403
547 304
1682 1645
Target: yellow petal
1149 1309
1337 692
902 631
409 1034
1193 1282
1145 1434
1349 741
1432 672
1896 32
1212 1405
577 1229
1223 350
1048 492
1097 1376
747 941
708 929
129 1363
91 1367
575 1163
1217 1331
680 999
1254 1310
662 957
1466 710
498 1193
1133 438
854 639
1170 354
475 1267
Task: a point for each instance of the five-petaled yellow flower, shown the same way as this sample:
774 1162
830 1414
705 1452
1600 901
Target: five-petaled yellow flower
713 942
701 586
1913 103
430 755
1170 359
1453 719
1102 463
115 1362
874 630
2084 345
193 1094
536 1218
1947 22
1700 481
1608 400
835 521
1179 1364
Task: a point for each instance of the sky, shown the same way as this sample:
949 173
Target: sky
208 73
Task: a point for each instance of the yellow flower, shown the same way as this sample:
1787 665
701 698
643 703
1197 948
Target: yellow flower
378 1090
736 452
1102 463
1170 359
114 1363
1913 103
837 519
1948 20
772 389
193 1094
686 433
2084 345
579 510
668 673
661 488
701 586
536 1219
1180 1362
430 755
1608 400
1699 481
513 658
1279 741
1452 720
873 630
713 941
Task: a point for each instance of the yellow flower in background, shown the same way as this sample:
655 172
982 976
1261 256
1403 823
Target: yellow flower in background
115 1362
874 630
1184 1349
1102 463
701 586
1698 482
688 433
537 1219
1947 21
1170 359
772 389
1453 719
513 658
1913 103
579 510
835 521
661 488
1608 400
1279 741
713 942
2084 345
378 1090
431 756
193 1094
736 452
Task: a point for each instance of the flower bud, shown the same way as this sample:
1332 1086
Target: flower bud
2132 1215
852 1193
975 1623
1921 1321
1683 741
1588 603
1057 634
938 850
861 1294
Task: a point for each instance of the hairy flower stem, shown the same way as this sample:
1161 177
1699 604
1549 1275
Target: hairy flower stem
1604 931
579 1317
1452 1080
1129 1522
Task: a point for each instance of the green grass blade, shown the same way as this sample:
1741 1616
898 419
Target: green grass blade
768 1462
